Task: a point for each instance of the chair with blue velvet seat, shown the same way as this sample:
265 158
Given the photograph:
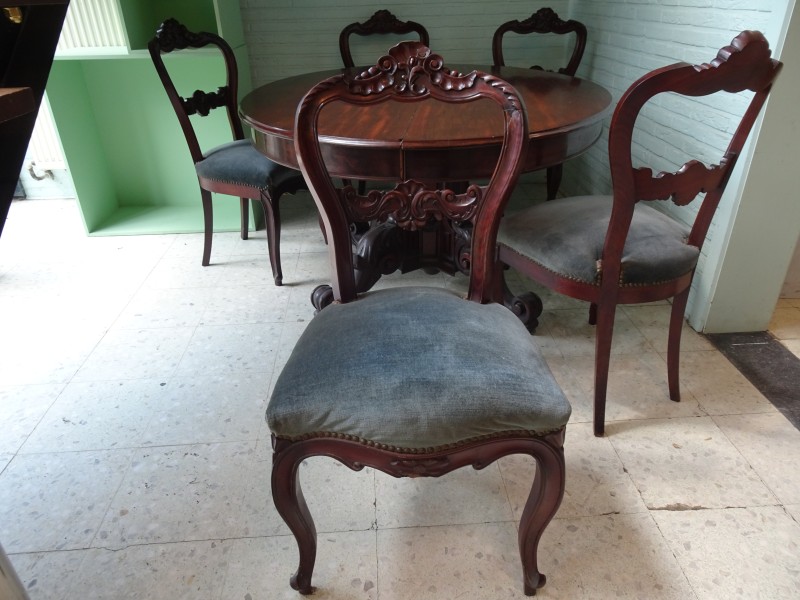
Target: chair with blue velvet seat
235 168
620 248
415 381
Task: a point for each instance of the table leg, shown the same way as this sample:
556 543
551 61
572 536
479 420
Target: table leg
527 306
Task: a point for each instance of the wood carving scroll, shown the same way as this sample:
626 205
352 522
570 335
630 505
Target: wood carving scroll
202 103
382 21
747 53
423 467
405 68
682 187
411 204
543 20
462 246
172 35
429 467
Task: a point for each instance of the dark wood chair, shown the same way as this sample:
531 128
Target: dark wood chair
619 249
382 22
415 381
235 168
545 20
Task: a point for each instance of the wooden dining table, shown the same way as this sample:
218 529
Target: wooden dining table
430 142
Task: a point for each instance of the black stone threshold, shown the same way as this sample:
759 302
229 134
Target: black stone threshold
768 365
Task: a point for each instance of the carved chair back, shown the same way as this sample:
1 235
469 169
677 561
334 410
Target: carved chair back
411 73
744 65
382 22
173 36
545 20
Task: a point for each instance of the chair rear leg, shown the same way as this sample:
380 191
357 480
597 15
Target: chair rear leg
541 506
291 505
208 226
674 344
322 229
272 216
593 314
554 174
604 332
244 207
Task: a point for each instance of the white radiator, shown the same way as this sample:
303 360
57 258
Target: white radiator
44 149
92 25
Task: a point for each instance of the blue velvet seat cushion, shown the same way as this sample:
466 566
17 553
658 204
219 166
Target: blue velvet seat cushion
415 367
566 237
240 162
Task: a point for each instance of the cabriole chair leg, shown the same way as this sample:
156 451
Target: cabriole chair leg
291 505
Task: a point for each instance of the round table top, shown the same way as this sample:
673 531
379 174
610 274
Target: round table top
424 140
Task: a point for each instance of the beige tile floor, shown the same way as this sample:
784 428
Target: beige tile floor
785 324
134 458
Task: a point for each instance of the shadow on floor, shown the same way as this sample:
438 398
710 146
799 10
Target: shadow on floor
767 364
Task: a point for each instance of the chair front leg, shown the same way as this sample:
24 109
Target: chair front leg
291 505
543 502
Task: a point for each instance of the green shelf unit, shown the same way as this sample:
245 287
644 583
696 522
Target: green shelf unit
124 148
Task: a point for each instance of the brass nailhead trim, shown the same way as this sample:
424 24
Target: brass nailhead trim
596 282
428 450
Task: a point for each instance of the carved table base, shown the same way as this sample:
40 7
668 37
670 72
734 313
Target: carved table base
384 248
527 306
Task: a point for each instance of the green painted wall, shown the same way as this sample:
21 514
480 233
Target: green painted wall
124 147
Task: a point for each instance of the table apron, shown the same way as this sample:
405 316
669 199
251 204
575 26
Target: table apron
373 163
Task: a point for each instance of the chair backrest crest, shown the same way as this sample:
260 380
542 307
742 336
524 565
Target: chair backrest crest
172 36
381 22
404 68
544 20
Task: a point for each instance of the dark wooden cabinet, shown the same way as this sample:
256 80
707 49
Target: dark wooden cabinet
29 31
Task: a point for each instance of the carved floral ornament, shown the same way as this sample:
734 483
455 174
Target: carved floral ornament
382 20
681 187
545 19
172 35
412 204
202 103
407 68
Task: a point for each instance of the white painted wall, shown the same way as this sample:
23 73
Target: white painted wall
632 37
765 222
791 285
288 37
627 38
